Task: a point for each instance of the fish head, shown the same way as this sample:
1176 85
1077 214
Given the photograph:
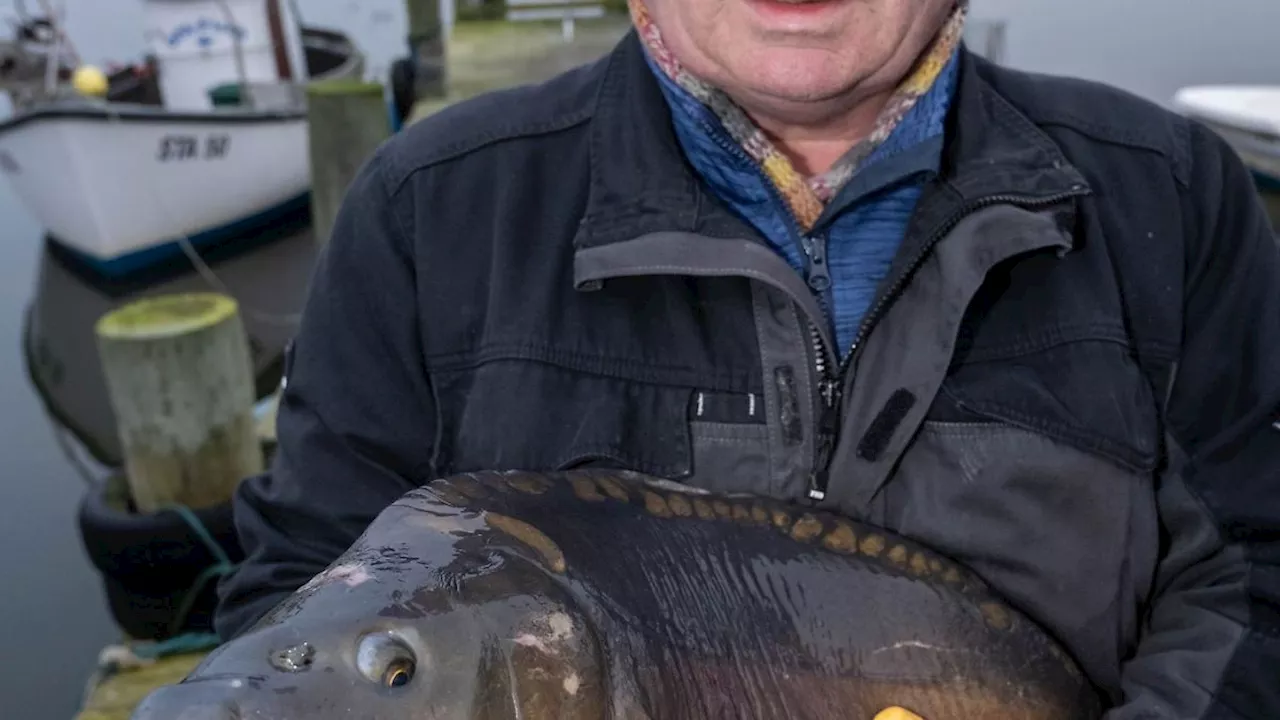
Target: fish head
434 612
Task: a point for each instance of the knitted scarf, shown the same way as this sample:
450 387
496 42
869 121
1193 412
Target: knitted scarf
806 196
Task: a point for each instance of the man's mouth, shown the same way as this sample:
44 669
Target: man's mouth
794 9
798 2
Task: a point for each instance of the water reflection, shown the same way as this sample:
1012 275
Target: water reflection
56 613
267 274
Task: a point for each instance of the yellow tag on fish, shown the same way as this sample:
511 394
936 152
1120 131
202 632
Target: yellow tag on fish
896 713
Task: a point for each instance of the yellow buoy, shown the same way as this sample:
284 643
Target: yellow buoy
89 80
897 713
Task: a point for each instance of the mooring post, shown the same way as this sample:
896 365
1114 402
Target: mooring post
427 44
347 120
180 380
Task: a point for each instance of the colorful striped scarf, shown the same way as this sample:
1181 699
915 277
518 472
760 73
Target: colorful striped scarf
806 197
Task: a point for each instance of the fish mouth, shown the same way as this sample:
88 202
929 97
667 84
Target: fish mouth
203 699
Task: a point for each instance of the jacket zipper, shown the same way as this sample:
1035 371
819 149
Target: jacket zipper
813 245
828 388
831 385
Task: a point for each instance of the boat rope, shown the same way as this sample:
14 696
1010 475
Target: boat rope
221 566
210 277
184 241
77 464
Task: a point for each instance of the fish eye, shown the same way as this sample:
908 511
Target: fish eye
385 659
398 674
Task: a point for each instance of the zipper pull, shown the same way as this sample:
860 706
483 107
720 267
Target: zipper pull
828 428
817 274
829 389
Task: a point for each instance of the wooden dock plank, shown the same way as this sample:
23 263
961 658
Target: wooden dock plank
116 696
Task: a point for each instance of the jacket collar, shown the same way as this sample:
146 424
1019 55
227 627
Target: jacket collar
641 182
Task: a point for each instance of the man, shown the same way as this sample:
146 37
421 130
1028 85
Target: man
816 250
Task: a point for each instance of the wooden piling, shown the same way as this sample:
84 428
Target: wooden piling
427 40
180 380
347 121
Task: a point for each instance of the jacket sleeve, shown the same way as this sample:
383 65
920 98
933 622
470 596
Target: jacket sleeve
1211 642
356 418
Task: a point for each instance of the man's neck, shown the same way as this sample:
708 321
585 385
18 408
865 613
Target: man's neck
816 136
809 150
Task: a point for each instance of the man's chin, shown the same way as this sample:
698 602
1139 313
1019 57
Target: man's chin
791 87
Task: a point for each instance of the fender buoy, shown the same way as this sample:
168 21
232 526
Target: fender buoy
151 562
150 611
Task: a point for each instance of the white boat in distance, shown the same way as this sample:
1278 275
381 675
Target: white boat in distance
1247 117
202 144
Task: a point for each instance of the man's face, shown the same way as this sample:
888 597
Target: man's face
778 53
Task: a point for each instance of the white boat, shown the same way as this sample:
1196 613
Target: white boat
1247 117
201 144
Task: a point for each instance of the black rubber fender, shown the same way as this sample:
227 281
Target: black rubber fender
150 611
158 549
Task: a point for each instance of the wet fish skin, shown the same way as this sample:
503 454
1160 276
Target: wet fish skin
605 594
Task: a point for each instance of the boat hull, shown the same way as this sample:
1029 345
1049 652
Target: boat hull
125 185
1261 154
121 191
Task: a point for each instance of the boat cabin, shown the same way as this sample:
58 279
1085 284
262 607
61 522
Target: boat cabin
200 46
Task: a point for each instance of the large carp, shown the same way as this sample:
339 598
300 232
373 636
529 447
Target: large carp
600 594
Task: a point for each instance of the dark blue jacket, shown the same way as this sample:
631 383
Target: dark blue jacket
1068 380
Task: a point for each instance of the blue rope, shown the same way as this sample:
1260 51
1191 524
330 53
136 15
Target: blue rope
176 645
194 641
201 532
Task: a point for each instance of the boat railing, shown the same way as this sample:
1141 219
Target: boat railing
237 50
61 43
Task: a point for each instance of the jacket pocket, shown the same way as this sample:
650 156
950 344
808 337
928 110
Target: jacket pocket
1088 394
730 443
730 457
